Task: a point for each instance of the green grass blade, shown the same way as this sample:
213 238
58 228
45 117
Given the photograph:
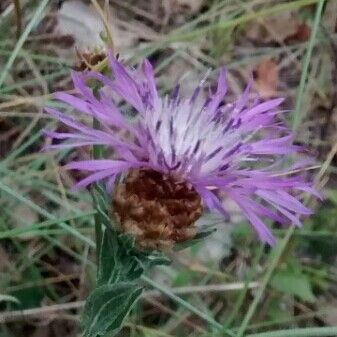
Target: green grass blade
33 22
297 116
37 226
305 332
188 306
43 212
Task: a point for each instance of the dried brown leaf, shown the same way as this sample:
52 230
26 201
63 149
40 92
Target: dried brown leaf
283 28
267 78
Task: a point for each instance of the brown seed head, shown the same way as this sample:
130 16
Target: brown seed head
158 210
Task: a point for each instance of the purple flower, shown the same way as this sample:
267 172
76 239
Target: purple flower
230 150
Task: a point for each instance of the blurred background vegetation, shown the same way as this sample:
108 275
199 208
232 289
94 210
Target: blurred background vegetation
47 264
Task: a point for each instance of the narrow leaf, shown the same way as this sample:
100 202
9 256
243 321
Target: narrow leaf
107 306
297 284
9 298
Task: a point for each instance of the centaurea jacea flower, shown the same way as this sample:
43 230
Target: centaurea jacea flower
179 155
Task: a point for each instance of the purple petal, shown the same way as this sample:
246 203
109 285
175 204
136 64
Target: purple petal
68 121
65 135
274 146
284 199
243 99
264 211
73 101
149 76
93 178
262 230
262 107
100 175
97 165
125 86
219 94
211 201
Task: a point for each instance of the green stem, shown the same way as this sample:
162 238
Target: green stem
33 22
97 153
305 332
243 294
297 113
265 281
18 17
217 326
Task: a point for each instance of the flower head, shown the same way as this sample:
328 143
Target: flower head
182 153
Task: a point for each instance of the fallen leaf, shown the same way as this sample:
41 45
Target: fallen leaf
81 21
23 216
267 78
281 28
187 5
329 310
301 35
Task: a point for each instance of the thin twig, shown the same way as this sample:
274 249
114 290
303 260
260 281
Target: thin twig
105 20
38 312
297 116
33 22
168 292
178 316
302 332
18 16
206 288
52 309
333 101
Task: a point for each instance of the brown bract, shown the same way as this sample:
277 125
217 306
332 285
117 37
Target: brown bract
158 210
88 60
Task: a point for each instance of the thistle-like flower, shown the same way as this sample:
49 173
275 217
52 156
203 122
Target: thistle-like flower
176 156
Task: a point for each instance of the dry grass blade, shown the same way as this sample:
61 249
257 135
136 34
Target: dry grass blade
18 14
105 19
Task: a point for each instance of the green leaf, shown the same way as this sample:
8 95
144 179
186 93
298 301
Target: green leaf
108 269
197 238
293 283
183 278
107 306
332 196
119 260
116 262
32 296
276 311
